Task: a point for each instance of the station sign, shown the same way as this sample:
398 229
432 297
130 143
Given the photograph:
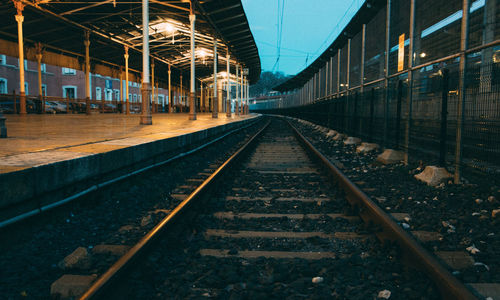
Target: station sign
401 53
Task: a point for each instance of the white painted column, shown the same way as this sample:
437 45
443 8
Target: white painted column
228 102
237 108
215 111
192 92
169 90
146 118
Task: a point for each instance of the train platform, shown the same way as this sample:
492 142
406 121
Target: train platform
44 153
36 140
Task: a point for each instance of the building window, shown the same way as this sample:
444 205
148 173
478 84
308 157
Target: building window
117 95
3 59
135 97
43 68
68 71
3 86
98 93
129 97
44 90
108 94
69 91
161 98
140 98
25 88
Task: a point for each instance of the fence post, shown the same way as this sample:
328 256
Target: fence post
386 73
461 102
444 120
355 127
372 112
398 113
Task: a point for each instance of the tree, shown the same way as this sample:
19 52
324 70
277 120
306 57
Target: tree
267 81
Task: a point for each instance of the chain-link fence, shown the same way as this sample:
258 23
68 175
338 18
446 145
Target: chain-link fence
441 104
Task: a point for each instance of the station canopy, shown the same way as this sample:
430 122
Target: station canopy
60 26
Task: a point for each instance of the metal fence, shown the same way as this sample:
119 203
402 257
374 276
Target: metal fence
441 104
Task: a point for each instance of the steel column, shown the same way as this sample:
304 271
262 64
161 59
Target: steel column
464 44
237 90
386 72
228 100
363 45
153 100
146 86
338 73
20 18
409 103
215 111
169 90
127 104
192 92
241 86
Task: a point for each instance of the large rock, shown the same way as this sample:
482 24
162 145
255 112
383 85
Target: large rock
390 156
367 147
71 286
339 137
352 141
433 175
331 133
79 259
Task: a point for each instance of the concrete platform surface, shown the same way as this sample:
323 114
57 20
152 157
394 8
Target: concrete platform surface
36 140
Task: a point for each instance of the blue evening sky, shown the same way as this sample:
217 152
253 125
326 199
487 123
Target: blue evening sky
309 27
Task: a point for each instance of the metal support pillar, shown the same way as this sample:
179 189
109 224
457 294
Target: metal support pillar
464 44
86 42
20 18
338 73
237 107
127 103
192 92
146 118
215 111
38 47
153 90
169 90
362 70
409 103
348 85
386 72
179 95
241 87
120 99
228 101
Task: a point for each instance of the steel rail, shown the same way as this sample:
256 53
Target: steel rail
450 287
103 283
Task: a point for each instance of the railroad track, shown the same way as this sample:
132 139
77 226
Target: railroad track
273 224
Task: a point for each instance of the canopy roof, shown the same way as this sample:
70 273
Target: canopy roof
113 24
